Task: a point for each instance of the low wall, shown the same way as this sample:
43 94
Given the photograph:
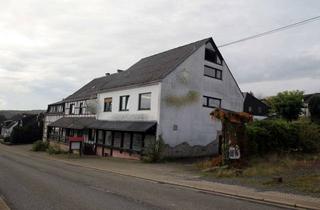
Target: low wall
185 150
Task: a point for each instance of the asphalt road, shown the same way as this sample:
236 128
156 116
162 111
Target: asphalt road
32 183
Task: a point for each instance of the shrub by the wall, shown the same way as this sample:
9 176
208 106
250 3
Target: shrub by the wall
54 150
40 146
153 153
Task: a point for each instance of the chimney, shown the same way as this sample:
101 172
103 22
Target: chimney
107 74
119 70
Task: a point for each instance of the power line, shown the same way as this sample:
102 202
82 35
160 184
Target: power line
272 31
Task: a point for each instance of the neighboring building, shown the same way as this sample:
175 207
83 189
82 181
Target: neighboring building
7 128
169 94
306 100
20 121
254 106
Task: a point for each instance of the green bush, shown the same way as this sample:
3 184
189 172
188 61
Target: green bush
309 136
270 136
40 146
153 153
279 136
54 150
287 104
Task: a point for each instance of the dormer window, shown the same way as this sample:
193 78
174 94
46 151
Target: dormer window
212 56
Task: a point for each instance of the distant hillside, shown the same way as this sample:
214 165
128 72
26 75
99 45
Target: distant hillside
10 113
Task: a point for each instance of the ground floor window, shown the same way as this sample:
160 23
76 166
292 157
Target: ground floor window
117 139
100 137
126 141
108 138
137 142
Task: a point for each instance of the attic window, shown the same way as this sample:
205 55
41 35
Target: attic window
212 56
212 72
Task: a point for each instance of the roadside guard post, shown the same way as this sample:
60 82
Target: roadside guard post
75 143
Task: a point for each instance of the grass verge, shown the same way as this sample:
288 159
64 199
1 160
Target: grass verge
299 174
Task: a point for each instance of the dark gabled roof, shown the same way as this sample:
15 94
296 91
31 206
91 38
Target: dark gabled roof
8 124
57 103
247 95
148 70
73 122
307 97
89 90
90 122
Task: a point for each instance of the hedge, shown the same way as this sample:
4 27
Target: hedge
277 136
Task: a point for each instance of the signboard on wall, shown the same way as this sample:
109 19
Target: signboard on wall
75 145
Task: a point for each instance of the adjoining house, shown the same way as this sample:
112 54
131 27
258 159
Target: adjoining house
7 128
254 106
306 100
169 94
21 121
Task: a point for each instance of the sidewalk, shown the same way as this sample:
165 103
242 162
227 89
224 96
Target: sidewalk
175 174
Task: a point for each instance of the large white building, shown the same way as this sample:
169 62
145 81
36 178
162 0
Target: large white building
169 94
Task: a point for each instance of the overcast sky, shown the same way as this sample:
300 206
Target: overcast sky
49 49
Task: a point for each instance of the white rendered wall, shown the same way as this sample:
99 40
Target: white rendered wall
191 122
133 104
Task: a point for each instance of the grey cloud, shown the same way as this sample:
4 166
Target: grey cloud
48 49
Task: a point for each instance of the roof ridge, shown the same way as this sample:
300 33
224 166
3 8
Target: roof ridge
176 48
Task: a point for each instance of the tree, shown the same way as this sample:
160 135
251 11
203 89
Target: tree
287 104
314 108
